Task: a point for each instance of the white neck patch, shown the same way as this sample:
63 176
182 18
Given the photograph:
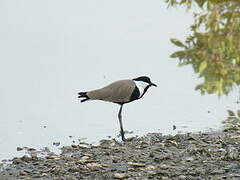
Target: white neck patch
141 85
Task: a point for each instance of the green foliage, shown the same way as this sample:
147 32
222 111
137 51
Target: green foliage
233 120
213 47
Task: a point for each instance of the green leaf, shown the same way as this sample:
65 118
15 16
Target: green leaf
219 85
200 3
231 113
238 113
178 54
177 42
202 66
212 47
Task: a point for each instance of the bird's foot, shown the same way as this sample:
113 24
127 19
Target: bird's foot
124 139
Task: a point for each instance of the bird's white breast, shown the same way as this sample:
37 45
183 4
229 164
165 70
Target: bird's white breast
141 86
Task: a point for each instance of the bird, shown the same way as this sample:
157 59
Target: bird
120 92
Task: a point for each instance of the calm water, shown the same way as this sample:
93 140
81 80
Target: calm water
46 58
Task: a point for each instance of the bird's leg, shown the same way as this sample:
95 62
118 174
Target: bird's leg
120 121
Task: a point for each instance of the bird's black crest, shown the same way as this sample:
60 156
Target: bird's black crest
143 78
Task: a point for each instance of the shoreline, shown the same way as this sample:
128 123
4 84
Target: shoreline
203 155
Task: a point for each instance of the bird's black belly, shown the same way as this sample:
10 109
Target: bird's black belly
135 94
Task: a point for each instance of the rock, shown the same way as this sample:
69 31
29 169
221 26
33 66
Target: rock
174 127
232 153
56 143
74 146
115 160
189 159
136 164
19 148
17 161
84 146
56 157
235 137
44 174
26 158
107 143
218 171
149 168
165 178
120 175
182 177
23 173
165 166
94 165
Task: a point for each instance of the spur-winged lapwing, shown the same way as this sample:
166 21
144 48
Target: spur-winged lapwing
120 92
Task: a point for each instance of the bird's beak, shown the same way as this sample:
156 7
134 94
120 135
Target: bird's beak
152 84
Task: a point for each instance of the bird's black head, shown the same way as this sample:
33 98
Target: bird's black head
145 79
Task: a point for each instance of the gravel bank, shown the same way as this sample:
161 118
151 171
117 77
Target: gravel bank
211 155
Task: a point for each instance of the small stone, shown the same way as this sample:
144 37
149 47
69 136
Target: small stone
74 146
189 159
83 159
107 143
26 158
55 157
165 166
174 127
73 169
136 164
114 160
235 137
218 171
150 168
31 149
151 154
22 173
120 175
182 177
232 153
56 143
165 178
84 146
17 161
27 178
105 165
94 165
19 148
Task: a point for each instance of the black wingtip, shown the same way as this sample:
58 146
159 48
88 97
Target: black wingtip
83 100
83 95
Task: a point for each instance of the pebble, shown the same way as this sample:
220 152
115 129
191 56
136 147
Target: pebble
182 177
150 168
189 159
165 166
93 165
120 175
19 148
26 158
84 146
136 164
23 173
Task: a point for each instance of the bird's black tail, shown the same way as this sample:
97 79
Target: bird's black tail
83 95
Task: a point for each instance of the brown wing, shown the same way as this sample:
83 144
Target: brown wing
119 91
